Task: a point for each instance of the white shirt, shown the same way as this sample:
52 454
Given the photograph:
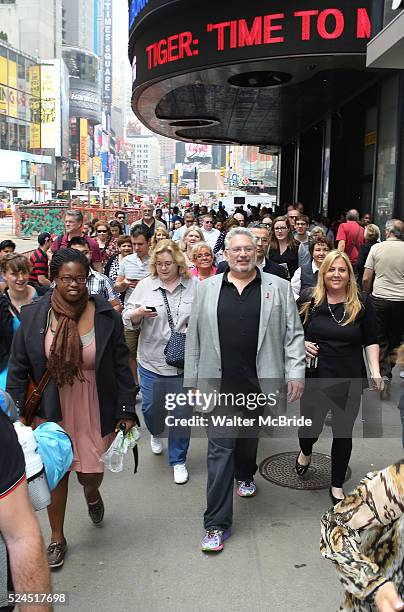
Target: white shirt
179 233
156 332
211 236
296 281
132 267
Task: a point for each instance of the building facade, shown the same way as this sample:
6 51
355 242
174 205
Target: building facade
23 159
296 81
33 26
145 164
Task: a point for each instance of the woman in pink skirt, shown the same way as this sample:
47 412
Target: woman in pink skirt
79 339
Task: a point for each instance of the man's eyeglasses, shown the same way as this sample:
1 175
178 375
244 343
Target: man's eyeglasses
102 231
69 280
237 250
280 229
208 222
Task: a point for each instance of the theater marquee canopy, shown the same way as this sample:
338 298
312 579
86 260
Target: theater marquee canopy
246 72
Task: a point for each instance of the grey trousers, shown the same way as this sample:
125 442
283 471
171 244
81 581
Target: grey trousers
231 455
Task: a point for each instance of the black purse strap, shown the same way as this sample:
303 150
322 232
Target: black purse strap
312 310
13 309
167 305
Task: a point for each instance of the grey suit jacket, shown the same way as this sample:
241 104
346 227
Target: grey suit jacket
281 351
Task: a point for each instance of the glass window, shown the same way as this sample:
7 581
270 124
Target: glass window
22 137
387 151
3 133
13 135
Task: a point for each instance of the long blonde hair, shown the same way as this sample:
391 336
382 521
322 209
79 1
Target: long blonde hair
155 242
353 305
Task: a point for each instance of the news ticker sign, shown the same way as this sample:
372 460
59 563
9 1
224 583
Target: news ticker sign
232 32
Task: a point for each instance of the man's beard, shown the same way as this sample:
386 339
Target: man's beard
251 267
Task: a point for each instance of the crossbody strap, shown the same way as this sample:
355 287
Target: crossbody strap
169 315
354 244
43 382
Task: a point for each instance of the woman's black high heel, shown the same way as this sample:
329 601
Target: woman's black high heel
335 500
301 469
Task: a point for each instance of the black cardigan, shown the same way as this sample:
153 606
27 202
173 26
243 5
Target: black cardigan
6 332
115 386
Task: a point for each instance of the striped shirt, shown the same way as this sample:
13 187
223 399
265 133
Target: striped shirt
40 265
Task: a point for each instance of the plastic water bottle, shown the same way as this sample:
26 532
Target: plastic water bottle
37 484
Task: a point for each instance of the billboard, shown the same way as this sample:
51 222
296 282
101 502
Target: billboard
83 151
8 88
50 98
107 56
85 100
197 156
34 78
3 86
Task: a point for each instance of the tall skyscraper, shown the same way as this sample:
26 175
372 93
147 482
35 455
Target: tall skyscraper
33 26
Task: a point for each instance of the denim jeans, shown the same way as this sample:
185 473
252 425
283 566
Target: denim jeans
154 390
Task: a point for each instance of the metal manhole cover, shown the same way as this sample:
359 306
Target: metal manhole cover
280 470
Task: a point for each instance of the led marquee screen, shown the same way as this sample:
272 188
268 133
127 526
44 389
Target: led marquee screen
174 40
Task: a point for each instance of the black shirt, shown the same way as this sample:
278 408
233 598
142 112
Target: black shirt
238 318
12 462
341 347
290 257
12 474
149 229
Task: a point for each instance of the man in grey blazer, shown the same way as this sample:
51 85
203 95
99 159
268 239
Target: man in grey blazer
244 339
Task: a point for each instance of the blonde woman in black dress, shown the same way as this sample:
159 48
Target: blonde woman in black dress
338 326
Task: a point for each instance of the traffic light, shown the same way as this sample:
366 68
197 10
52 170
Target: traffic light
222 171
175 177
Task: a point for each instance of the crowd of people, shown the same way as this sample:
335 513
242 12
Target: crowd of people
267 309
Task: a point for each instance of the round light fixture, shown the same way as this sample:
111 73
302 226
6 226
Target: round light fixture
258 79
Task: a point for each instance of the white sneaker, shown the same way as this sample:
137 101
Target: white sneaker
402 374
156 445
180 473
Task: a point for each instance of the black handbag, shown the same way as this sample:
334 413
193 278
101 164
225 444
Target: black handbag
175 350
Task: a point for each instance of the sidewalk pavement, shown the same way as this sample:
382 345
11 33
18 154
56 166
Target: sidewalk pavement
146 554
23 245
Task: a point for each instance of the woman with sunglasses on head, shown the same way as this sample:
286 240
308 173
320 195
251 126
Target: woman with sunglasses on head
78 339
160 303
18 293
283 248
202 257
107 244
339 327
